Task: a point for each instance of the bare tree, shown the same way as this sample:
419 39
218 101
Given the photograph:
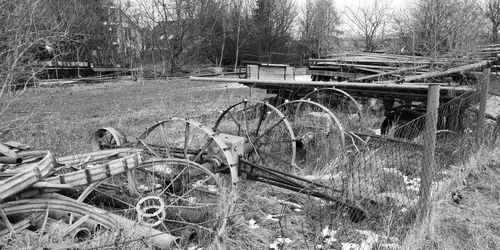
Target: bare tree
186 29
435 27
28 29
272 22
492 12
319 27
370 22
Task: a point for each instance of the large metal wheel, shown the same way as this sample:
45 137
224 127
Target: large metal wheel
190 140
267 132
191 192
171 194
343 105
320 136
108 138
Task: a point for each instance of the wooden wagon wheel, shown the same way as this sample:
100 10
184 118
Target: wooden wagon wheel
320 136
343 105
265 128
108 138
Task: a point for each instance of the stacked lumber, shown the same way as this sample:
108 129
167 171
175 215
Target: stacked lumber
31 179
376 67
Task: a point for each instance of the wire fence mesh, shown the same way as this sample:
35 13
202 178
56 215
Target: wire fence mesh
387 176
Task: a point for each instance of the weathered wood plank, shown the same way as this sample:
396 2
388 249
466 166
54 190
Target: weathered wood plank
446 72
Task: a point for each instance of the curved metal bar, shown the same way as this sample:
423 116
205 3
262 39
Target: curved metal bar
358 106
327 111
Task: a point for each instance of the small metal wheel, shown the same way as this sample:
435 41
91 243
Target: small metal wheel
320 136
343 105
150 211
266 129
190 140
108 138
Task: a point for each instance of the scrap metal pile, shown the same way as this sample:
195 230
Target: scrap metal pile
178 174
172 177
31 179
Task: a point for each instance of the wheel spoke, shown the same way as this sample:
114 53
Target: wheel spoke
103 141
164 138
203 149
112 197
172 181
188 223
268 130
235 121
186 140
262 116
189 191
245 104
150 149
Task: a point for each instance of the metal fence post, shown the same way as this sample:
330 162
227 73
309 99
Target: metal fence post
428 162
484 86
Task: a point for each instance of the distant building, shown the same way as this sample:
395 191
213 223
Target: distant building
120 42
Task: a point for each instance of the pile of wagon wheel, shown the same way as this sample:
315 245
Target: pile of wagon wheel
179 173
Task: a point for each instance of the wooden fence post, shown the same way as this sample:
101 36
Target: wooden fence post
428 163
481 122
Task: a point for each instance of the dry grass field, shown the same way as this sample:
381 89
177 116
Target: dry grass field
62 119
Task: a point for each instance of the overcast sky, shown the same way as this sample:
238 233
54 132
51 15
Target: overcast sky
342 5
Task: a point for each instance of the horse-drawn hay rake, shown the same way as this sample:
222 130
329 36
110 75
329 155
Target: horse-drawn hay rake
250 140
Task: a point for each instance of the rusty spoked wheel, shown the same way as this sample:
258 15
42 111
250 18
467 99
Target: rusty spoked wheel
340 103
169 194
320 136
191 193
266 130
190 140
108 138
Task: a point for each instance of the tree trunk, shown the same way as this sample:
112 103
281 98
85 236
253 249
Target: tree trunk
223 34
223 41
494 33
238 38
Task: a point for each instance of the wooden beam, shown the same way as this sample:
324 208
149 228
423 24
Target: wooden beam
447 72
334 73
320 84
390 72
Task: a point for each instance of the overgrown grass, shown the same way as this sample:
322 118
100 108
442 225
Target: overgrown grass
465 208
62 120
